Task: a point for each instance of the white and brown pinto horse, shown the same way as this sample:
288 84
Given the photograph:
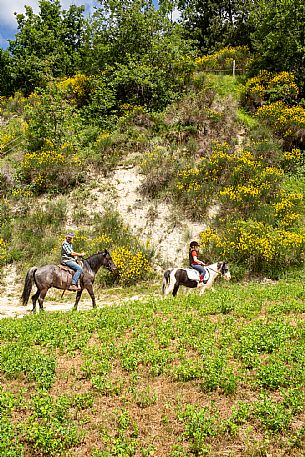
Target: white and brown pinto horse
176 277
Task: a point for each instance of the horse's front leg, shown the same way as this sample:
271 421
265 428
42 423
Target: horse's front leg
78 295
91 293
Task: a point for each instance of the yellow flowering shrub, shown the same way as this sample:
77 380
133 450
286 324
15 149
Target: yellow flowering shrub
77 88
291 159
268 88
223 59
286 121
237 179
3 251
260 246
132 267
128 108
287 209
91 245
19 193
12 135
50 170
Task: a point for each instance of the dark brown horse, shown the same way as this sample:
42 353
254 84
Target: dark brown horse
54 276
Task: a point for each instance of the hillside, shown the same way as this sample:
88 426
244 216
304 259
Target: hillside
202 169
214 374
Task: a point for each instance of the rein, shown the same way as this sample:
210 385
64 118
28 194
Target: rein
215 271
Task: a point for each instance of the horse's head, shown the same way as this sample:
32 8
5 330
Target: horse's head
108 262
223 268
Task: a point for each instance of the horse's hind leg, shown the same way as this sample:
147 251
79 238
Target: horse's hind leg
41 298
168 288
34 299
175 290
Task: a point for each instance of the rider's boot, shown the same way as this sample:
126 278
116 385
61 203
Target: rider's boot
74 287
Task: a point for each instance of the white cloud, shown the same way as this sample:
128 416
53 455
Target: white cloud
8 23
9 7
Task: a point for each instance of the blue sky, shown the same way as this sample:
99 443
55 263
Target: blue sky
8 24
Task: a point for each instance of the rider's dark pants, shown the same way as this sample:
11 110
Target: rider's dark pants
77 268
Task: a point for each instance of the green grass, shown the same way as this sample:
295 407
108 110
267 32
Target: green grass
196 375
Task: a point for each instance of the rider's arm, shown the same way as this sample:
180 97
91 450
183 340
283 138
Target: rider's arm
77 254
197 260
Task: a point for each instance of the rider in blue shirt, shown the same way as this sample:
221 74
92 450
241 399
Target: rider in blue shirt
67 258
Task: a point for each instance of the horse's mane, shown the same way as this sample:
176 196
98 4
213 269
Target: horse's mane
94 260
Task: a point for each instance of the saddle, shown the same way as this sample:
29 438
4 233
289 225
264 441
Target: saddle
65 268
195 276
71 273
68 269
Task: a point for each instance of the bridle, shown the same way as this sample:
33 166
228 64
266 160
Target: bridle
216 271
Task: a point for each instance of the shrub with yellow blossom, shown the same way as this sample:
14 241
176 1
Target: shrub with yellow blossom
239 181
268 88
223 59
132 266
291 159
4 247
287 209
91 244
50 170
76 88
12 136
287 122
263 248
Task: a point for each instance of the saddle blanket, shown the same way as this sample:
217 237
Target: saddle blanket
65 268
194 274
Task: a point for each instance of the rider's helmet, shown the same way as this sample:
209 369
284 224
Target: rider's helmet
194 244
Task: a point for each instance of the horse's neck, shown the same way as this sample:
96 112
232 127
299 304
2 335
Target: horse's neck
94 265
213 272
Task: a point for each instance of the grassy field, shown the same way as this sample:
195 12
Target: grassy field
220 374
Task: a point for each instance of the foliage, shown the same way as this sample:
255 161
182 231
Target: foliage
287 122
51 119
278 38
216 24
269 87
34 232
47 45
50 170
263 248
223 59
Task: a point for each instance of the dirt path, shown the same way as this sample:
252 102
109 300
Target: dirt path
11 288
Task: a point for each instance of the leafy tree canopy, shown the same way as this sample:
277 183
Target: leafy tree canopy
279 36
46 44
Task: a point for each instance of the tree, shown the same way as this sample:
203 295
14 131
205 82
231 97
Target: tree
215 24
46 44
278 37
5 73
138 53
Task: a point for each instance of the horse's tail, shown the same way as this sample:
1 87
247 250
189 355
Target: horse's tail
166 281
28 285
